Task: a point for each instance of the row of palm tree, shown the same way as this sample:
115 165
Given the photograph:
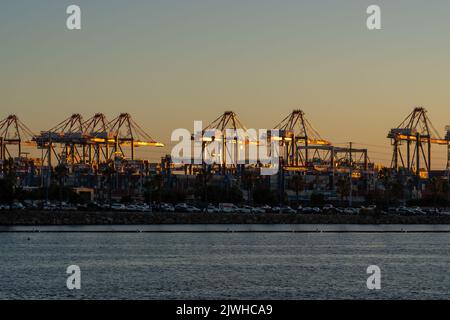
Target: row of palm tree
391 188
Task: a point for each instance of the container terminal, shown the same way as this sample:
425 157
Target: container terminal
98 160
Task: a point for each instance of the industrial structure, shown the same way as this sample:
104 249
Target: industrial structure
13 135
223 143
93 141
296 135
412 140
100 155
304 149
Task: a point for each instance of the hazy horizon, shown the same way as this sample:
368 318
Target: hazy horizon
168 63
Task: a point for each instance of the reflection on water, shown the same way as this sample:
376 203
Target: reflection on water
224 265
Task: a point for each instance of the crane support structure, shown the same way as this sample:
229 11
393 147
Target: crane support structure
296 135
13 132
93 141
128 133
412 141
304 149
228 126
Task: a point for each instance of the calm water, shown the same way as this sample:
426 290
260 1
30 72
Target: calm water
224 265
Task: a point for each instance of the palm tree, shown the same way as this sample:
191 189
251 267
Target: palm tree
298 184
8 183
109 171
148 187
61 173
248 181
7 190
201 185
437 189
158 183
343 187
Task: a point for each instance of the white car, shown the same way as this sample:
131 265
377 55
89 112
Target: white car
192 209
419 211
266 208
258 210
117 207
245 209
212 209
228 208
167 207
350 210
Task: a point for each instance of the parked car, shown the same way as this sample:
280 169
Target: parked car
228 208
350 211
307 210
211 209
192 209
288 209
316 210
167 207
276 209
258 210
181 207
117 207
245 209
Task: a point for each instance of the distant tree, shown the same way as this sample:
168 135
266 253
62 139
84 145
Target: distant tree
153 185
263 195
8 182
126 199
201 184
7 190
173 196
61 172
158 184
317 198
343 187
396 190
109 171
297 184
148 190
248 182
234 195
436 192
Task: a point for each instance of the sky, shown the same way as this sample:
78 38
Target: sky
171 62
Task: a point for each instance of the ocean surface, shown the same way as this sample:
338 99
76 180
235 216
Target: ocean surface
225 265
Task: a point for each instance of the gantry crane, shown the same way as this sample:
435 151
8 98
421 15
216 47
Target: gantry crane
304 149
13 132
96 128
94 140
128 133
69 135
295 131
232 136
414 136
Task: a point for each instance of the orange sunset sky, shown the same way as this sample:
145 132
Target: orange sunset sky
171 62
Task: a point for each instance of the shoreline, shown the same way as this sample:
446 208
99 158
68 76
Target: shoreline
230 228
110 218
